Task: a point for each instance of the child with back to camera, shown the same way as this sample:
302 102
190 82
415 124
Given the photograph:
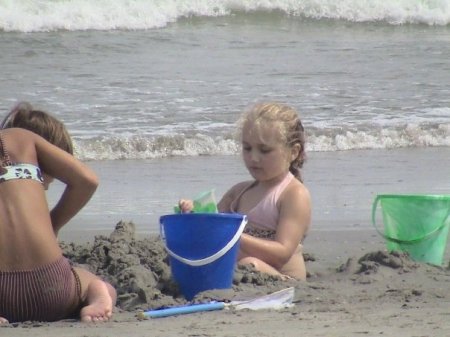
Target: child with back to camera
36 281
277 204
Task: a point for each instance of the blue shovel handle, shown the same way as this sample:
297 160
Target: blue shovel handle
185 309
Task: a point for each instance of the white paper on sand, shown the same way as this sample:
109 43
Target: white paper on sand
277 300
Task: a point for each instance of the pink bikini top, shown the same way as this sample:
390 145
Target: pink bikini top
265 214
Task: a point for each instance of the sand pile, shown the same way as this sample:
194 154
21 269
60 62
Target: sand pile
140 272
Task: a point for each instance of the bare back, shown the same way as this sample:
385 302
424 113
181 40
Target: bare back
27 239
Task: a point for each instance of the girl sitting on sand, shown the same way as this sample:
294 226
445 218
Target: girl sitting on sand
277 204
36 281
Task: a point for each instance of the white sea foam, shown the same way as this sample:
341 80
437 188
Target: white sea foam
318 140
49 15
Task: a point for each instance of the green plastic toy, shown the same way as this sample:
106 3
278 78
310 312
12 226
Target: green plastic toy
205 202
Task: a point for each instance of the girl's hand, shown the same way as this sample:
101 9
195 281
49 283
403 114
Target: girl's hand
186 205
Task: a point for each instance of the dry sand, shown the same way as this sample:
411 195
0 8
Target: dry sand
354 288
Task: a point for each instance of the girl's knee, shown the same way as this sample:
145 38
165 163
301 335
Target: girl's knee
259 265
249 260
255 263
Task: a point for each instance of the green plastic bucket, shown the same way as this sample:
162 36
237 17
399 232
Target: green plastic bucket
416 224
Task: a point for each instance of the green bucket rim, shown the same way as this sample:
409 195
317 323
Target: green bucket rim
416 196
409 196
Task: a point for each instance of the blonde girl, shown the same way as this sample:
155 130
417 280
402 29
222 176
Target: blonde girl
276 202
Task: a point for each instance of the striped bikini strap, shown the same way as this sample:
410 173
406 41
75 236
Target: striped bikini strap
4 156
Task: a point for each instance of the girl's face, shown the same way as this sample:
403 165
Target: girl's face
265 154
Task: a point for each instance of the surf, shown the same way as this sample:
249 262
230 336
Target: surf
43 16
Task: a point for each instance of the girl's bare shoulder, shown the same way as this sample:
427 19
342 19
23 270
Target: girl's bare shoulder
19 133
296 191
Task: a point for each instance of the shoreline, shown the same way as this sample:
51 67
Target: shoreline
342 184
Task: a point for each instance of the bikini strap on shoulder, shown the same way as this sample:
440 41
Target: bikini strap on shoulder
4 156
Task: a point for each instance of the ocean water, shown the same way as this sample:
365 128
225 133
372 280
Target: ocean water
147 86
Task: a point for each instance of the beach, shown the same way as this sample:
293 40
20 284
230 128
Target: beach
354 288
151 92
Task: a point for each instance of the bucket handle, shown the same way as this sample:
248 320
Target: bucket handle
215 256
412 241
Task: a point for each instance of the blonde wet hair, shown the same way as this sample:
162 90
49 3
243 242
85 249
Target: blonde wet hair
24 116
286 119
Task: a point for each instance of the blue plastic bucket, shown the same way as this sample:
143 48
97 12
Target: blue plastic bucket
202 249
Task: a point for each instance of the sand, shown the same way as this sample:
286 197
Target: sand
354 288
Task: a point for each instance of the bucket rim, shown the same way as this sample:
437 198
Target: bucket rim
193 215
410 196
416 196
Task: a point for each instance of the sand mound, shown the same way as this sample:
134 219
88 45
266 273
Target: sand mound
140 272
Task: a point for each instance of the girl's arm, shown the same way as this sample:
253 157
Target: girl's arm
81 182
223 206
294 220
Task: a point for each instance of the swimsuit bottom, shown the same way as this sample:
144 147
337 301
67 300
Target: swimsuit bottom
260 233
48 293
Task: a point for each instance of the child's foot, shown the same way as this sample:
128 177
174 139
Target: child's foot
99 308
286 277
3 321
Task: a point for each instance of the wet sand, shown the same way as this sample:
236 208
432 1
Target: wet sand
354 287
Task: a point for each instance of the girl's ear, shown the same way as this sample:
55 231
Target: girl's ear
295 151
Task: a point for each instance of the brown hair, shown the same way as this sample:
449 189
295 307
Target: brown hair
290 126
40 122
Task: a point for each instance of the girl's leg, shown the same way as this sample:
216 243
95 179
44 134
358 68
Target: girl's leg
3 321
264 267
99 297
259 265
